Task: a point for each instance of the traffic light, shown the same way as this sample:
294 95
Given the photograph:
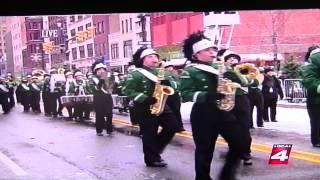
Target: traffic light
48 47
80 36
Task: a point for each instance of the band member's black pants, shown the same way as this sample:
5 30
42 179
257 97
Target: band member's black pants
35 101
314 115
270 102
242 112
174 101
4 102
87 111
133 116
26 100
11 98
70 113
54 100
256 99
46 102
153 142
103 106
207 123
79 110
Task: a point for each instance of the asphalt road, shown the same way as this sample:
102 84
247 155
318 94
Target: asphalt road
36 147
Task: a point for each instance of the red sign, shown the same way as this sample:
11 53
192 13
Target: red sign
280 154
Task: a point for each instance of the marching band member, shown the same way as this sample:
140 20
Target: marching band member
24 94
4 96
174 101
56 91
69 91
242 102
35 89
46 95
140 86
102 99
310 80
89 107
199 83
80 88
12 85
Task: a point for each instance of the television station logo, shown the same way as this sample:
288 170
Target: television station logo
280 154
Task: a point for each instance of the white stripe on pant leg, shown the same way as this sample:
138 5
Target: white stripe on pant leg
13 166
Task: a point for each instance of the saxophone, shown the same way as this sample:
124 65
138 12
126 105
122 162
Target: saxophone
161 93
228 88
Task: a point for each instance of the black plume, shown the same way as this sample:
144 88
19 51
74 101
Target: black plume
190 41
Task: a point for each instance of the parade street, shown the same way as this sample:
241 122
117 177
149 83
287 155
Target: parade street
37 147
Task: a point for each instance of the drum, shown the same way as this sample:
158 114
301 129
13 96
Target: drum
87 99
67 100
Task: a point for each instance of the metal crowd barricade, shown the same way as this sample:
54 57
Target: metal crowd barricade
120 102
294 90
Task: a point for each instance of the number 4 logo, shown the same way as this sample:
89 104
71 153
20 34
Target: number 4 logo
280 154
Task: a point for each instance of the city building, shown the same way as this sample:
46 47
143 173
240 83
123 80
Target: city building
101 45
56 32
81 52
15 44
3 59
126 36
35 58
170 29
277 34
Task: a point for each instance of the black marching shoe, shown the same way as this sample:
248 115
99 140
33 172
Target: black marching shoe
260 125
156 164
316 145
99 134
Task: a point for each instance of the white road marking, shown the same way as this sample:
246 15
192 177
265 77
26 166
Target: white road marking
12 165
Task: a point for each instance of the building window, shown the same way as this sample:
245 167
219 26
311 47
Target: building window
74 53
114 51
35 36
98 28
126 25
80 18
127 48
103 48
102 27
130 24
73 32
90 50
206 13
88 25
122 27
80 28
81 50
229 12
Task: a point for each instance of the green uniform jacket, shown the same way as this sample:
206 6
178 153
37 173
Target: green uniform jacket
138 87
94 87
311 81
75 87
195 83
